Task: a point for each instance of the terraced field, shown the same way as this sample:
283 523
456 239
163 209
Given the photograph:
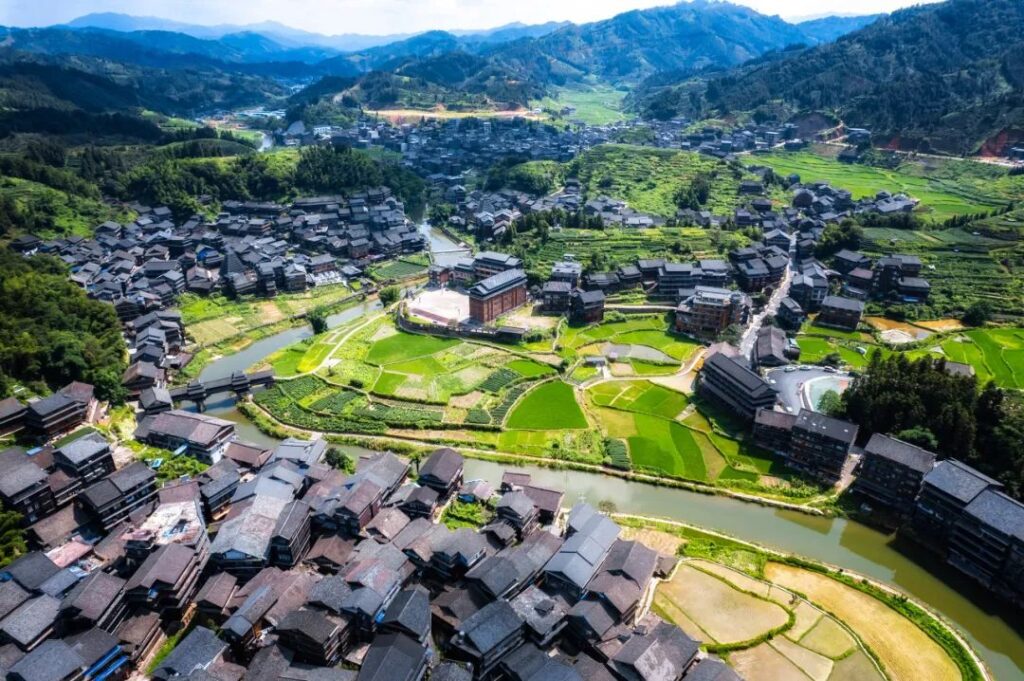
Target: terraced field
644 416
772 634
648 178
641 339
888 633
995 354
383 380
617 246
944 188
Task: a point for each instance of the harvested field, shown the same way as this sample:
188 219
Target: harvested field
765 663
856 667
662 542
828 638
806 617
725 613
816 666
907 652
941 325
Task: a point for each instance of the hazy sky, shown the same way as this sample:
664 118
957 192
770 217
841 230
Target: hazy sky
393 16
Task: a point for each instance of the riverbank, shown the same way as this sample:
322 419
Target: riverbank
272 426
258 328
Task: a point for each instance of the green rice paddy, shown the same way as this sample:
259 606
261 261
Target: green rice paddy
644 415
402 346
549 406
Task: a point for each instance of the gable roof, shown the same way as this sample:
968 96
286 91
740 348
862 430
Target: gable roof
959 480
904 453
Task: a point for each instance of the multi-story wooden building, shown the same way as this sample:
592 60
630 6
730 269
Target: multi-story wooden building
891 473
820 444
734 386
496 295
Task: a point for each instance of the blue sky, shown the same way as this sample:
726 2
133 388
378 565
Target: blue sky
380 17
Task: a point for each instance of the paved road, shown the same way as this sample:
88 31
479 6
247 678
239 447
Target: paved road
790 385
781 291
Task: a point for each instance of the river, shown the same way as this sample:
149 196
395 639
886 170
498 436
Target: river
837 541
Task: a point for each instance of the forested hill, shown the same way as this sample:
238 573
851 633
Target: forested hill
51 333
633 45
944 77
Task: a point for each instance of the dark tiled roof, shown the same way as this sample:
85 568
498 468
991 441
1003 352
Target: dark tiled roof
841 303
489 627
53 660
820 424
313 624
449 671
92 645
774 419
11 596
663 647
712 669
959 480
409 611
444 465
393 657
84 448
196 651
93 595
999 512
901 452
31 619
498 282
32 570
738 373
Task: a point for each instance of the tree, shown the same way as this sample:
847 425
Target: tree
12 537
836 237
922 437
339 460
977 314
830 403
832 359
439 213
317 318
923 403
732 334
389 295
51 333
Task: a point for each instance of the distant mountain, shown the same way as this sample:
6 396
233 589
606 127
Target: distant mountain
946 77
166 49
510 32
636 44
289 37
828 29
285 35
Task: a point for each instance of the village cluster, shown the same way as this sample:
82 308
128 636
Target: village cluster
250 248
273 565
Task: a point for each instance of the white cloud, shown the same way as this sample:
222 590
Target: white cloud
391 16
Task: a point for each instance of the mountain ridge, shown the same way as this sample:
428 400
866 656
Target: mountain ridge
944 77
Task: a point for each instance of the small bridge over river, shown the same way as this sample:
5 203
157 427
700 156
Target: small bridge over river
238 383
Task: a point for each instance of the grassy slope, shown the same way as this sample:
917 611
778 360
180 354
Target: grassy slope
648 178
945 188
594 104
72 215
